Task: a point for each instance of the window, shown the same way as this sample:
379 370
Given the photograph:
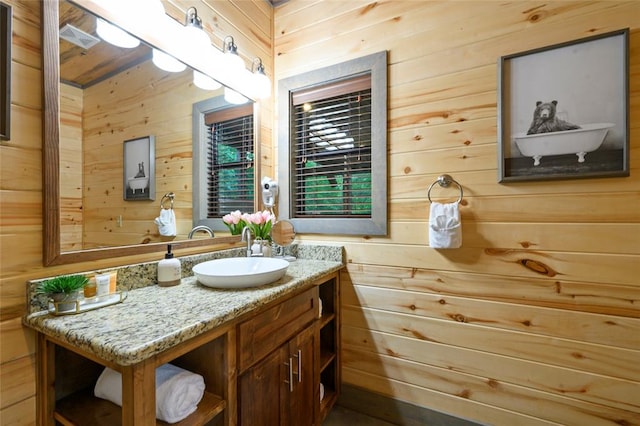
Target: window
224 161
333 150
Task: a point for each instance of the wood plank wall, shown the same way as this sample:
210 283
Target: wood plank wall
250 22
146 101
536 319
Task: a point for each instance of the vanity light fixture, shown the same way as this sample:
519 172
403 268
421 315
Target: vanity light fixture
196 39
114 35
233 61
234 97
204 81
260 81
167 62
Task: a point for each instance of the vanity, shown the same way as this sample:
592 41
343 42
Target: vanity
263 352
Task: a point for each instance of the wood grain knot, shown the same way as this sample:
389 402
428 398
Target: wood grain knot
537 267
493 384
465 394
417 138
458 317
412 307
407 170
577 355
390 352
442 302
467 142
368 8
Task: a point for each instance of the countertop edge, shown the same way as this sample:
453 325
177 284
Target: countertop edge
77 331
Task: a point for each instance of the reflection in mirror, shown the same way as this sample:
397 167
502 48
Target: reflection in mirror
283 233
108 95
223 161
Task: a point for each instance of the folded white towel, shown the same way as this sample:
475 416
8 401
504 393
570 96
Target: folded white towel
178 391
445 229
166 222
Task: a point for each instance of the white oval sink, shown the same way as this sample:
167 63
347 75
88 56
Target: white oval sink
240 272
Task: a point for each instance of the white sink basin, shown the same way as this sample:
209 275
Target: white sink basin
240 272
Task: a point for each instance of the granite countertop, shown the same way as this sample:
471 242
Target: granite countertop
153 319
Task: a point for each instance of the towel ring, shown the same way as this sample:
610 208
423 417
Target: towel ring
444 181
168 196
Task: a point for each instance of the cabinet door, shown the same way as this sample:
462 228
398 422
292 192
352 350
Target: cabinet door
263 393
302 352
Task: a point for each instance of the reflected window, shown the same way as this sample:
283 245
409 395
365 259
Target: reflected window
230 161
224 161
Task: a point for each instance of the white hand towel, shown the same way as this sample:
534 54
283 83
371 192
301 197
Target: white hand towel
178 391
166 222
445 229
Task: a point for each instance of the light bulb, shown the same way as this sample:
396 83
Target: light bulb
114 35
233 62
204 81
167 62
261 85
234 97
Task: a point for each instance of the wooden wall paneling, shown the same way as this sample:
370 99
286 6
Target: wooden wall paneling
610 269
555 380
583 296
18 380
558 408
484 184
549 267
551 352
586 327
71 167
400 389
17 340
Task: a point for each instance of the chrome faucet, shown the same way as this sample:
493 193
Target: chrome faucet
246 236
204 228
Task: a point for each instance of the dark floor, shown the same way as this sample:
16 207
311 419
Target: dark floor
340 416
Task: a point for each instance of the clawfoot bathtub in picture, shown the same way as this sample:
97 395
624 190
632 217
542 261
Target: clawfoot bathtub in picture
579 142
138 183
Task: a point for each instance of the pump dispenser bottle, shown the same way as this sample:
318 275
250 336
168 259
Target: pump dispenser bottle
169 270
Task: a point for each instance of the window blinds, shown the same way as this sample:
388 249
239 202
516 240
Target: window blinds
331 149
230 163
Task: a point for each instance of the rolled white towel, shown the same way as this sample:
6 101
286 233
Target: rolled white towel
178 391
445 229
166 222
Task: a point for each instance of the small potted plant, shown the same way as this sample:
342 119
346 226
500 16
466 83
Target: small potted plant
64 290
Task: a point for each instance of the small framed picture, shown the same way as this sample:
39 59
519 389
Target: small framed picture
563 110
139 169
5 70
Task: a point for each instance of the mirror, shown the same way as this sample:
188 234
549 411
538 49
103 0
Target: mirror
283 233
84 209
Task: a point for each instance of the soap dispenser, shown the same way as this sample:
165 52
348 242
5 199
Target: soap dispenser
169 270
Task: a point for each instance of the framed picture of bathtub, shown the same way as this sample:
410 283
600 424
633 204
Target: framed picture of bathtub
139 169
563 110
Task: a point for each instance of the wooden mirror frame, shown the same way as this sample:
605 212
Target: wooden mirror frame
52 254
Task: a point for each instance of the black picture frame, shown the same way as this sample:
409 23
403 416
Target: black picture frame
6 33
138 166
584 83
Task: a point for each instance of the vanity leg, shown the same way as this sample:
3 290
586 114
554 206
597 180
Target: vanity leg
231 382
139 394
46 371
